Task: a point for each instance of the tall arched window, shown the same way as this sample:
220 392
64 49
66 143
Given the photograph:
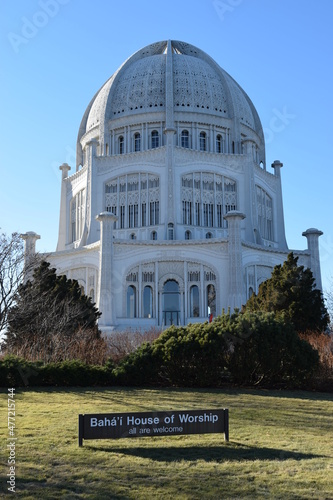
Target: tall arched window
155 139
211 300
170 231
137 142
121 145
171 303
148 302
206 198
185 139
194 302
265 214
135 199
131 302
153 235
188 235
203 141
219 148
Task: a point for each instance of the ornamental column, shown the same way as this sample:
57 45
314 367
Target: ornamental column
30 239
234 219
92 202
105 292
280 232
312 235
63 233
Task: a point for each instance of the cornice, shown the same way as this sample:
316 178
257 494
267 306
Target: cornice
151 157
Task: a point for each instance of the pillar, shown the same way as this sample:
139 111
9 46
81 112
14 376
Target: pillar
30 239
105 293
280 232
236 295
312 235
63 227
92 202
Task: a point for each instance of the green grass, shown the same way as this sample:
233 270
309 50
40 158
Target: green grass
281 446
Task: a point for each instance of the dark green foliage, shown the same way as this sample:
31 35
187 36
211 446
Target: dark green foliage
291 292
192 356
139 368
267 350
17 372
243 348
49 305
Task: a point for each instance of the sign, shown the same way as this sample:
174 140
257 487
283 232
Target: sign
152 424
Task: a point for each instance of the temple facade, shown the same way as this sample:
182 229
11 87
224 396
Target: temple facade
171 214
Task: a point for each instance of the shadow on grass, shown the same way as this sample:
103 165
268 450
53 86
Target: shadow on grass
231 451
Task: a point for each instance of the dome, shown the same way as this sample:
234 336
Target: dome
199 86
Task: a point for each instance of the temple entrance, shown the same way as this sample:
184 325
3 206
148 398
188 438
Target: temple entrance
171 303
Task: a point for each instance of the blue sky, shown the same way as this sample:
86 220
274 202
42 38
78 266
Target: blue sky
55 54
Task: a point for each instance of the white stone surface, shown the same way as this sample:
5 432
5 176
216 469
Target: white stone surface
194 207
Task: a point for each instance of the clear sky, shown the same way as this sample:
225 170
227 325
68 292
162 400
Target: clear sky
55 54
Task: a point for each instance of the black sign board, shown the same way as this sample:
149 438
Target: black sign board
152 424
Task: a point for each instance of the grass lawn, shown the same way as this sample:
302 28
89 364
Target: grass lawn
281 446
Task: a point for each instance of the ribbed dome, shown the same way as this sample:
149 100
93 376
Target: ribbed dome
199 85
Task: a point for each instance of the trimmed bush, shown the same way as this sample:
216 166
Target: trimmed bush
18 372
267 350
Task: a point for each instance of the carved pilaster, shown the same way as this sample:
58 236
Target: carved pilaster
105 299
234 220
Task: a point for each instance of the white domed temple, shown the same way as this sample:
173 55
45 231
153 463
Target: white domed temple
171 214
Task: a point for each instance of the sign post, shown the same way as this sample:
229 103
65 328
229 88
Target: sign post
152 424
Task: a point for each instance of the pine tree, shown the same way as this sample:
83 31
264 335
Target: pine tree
291 292
49 305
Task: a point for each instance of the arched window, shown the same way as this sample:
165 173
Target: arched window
153 235
135 199
155 139
131 302
208 236
194 302
170 231
265 214
77 215
188 235
185 139
133 236
171 303
203 141
121 145
148 302
219 147
211 300
206 198
137 142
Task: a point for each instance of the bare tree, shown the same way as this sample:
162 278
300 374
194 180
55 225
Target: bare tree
11 273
